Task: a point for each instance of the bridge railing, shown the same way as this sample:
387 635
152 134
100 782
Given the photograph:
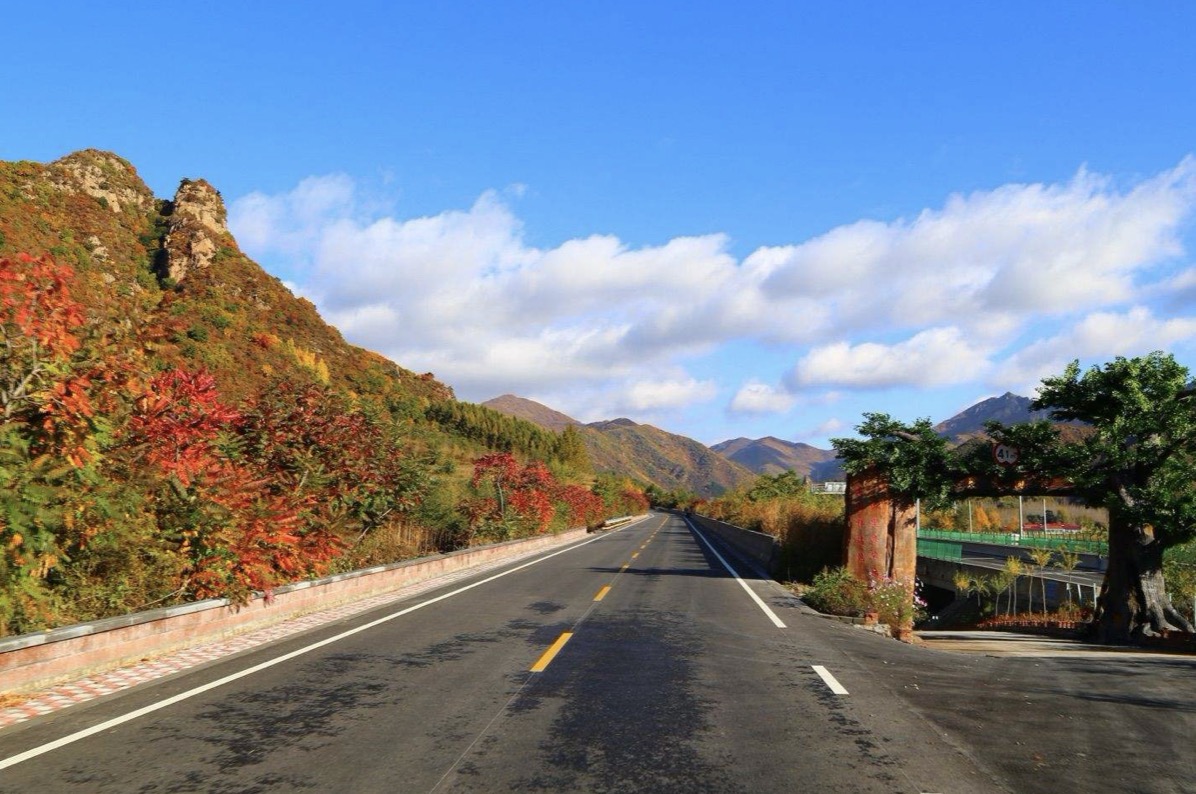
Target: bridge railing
1023 540
940 549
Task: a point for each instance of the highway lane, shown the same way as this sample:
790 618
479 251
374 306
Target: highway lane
671 678
682 683
397 702
674 680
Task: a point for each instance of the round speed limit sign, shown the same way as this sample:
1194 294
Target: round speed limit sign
1005 454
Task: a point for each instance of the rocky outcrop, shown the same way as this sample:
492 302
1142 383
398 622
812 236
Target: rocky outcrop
197 229
109 179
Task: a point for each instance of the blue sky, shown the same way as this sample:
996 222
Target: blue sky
725 219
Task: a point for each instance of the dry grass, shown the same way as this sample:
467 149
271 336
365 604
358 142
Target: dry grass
10 699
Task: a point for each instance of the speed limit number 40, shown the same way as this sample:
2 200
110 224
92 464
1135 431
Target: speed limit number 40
1005 454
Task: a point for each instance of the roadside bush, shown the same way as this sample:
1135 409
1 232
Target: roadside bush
837 592
809 526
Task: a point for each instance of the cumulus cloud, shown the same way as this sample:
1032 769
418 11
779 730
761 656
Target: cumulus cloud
463 294
652 395
827 428
1101 334
291 223
757 397
991 256
934 357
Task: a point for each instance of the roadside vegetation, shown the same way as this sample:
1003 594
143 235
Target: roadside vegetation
809 526
835 591
130 480
1134 459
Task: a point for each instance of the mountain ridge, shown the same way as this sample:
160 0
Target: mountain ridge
641 444
1008 408
642 452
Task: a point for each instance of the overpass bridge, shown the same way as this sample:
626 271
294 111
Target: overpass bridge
942 554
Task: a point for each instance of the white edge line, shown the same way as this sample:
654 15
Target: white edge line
760 603
829 679
141 712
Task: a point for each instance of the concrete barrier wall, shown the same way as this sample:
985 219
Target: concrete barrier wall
1029 586
31 660
757 547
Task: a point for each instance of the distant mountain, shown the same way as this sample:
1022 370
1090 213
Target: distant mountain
1009 408
652 455
772 455
671 461
642 452
532 411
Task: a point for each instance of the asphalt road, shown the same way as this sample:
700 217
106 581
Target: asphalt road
667 676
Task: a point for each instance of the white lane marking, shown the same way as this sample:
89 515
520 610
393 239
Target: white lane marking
829 679
771 615
199 690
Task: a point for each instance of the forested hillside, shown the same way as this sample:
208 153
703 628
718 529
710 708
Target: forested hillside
175 424
647 454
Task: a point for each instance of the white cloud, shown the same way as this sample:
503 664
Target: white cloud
757 397
652 395
1102 334
990 256
832 425
461 293
934 357
292 222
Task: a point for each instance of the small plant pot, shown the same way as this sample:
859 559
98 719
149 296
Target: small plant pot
871 618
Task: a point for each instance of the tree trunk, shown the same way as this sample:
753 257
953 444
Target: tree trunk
881 541
1133 601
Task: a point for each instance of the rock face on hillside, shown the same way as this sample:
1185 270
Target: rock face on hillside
198 228
171 269
108 179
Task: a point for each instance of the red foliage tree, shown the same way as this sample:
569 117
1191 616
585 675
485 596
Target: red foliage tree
523 493
583 506
39 336
340 454
238 532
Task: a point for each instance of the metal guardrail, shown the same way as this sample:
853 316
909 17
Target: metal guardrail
1022 540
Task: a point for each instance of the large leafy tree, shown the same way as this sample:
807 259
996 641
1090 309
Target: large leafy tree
915 460
1138 461
906 462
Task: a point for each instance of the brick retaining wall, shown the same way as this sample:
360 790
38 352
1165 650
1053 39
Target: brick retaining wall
31 660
